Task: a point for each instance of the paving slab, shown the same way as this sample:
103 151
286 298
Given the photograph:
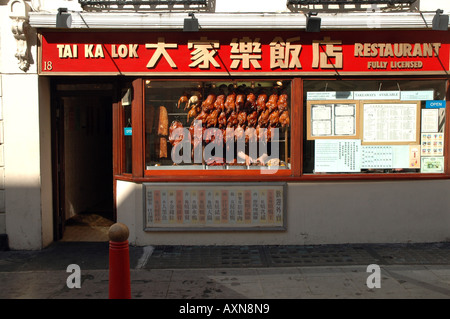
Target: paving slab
419 271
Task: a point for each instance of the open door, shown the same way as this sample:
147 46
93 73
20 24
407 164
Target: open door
82 160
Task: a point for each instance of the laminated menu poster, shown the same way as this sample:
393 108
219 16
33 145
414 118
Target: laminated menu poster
221 206
387 122
332 120
430 120
390 156
335 156
377 157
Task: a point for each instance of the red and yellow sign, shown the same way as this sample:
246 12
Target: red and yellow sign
244 52
211 206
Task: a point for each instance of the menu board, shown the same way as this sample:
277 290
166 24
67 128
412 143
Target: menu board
332 119
390 156
337 156
214 206
430 120
377 156
387 122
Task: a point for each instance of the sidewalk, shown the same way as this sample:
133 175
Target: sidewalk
413 271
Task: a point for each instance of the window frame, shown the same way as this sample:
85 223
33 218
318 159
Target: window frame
389 176
225 175
294 174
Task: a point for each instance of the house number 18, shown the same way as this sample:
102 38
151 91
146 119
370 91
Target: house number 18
48 65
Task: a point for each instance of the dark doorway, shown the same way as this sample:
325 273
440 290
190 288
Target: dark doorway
83 160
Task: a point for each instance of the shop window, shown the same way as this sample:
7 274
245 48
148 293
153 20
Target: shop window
217 125
354 127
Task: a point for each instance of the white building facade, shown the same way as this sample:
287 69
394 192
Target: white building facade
68 93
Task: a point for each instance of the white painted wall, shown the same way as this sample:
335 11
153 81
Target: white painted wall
22 161
128 205
2 168
27 162
45 161
373 212
322 213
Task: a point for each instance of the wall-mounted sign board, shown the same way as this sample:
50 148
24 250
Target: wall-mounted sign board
241 53
435 104
214 206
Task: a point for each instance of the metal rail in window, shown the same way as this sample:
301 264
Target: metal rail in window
308 2
141 2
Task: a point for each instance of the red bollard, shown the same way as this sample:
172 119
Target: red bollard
119 262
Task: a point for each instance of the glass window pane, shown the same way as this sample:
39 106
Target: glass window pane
217 125
374 126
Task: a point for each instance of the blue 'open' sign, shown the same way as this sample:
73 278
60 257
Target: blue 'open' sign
127 131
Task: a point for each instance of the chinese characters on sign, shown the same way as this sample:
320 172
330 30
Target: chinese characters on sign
323 58
245 52
203 53
285 55
224 52
212 206
160 50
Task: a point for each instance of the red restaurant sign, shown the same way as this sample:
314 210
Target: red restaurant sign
244 53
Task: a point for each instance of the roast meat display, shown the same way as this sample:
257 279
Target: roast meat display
245 111
241 110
